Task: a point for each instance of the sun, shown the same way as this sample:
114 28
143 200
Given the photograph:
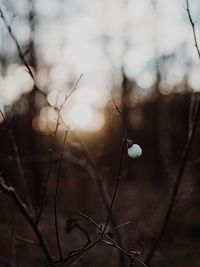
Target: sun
84 118
80 116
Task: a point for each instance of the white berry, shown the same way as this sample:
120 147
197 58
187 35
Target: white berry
134 151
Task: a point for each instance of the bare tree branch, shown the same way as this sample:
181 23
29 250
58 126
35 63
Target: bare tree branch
10 191
55 206
131 255
193 27
21 55
21 170
120 165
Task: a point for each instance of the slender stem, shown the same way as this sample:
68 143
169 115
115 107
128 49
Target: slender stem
1 112
71 92
18 237
55 207
75 253
120 165
44 191
193 28
111 242
50 166
55 199
117 184
17 44
21 170
19 50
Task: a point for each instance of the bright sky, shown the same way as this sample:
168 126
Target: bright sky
97 38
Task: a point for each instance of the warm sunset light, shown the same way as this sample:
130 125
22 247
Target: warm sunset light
81 116
85 118
92 96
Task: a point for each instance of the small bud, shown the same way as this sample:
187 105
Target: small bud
134 151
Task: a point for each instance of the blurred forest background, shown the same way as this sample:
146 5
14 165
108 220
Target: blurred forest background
141 54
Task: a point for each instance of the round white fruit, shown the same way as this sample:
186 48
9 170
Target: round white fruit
134 151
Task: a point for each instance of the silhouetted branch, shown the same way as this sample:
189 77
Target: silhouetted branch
75 253
10 191
71 92
109 241
21 55
55 206
120 165
72 224
1 112
44 186
21 170
193 27
119 226
18 237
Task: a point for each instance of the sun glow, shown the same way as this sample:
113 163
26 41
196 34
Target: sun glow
83 118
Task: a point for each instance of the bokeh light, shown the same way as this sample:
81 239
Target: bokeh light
71 38
15 83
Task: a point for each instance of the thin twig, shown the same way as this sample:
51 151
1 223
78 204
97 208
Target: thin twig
121 115
2 114
21 55
44 186
18 237
73 224
119 226
21 170
50 166
75 253
91 220
71 92
120 165
111 242
55 199
55 206
193 27
10 191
